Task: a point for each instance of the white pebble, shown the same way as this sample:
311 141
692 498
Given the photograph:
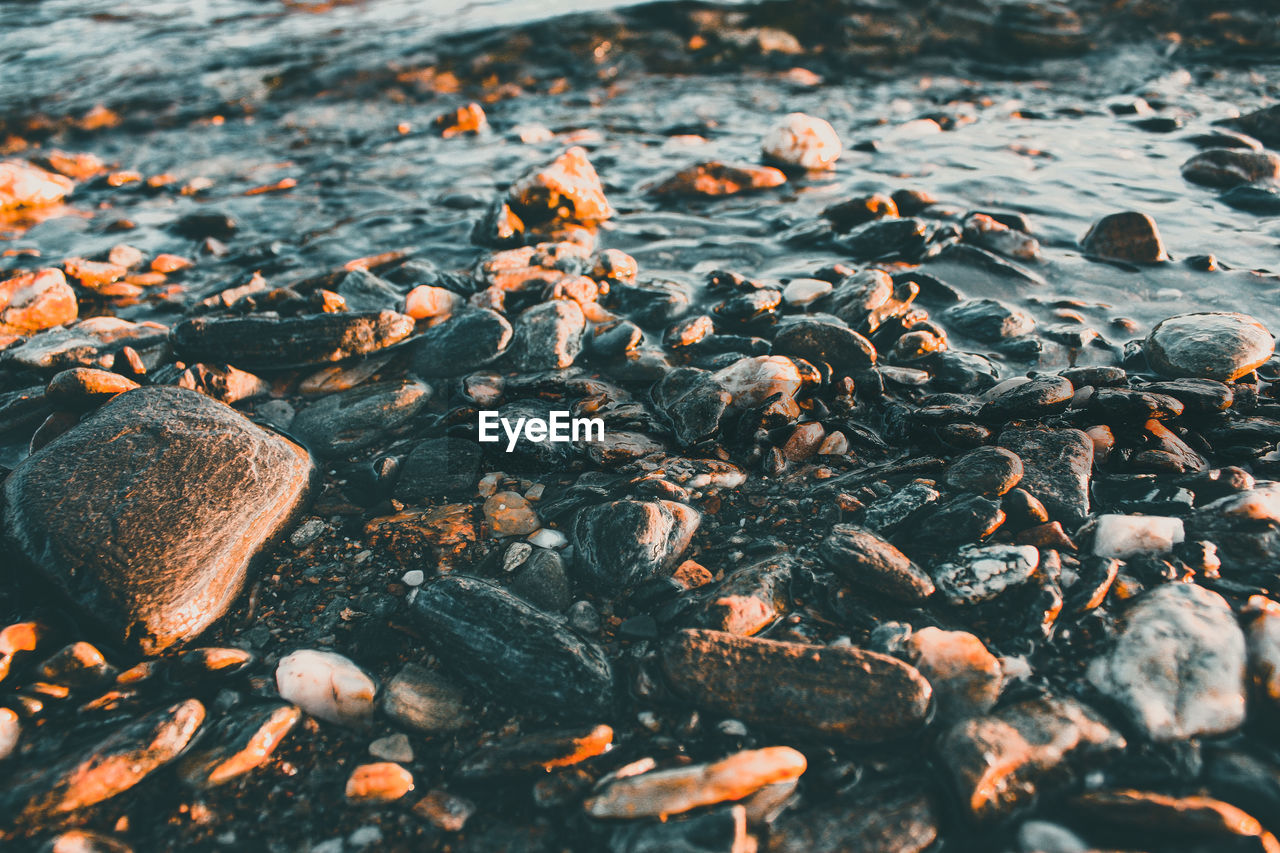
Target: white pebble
803 291
327 686
803 141
10 729
414 577
547 537
394 747
1126 535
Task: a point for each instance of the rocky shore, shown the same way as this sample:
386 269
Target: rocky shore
897 538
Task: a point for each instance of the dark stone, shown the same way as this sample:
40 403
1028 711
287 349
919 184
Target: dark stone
1128 406
462 344
1220 345
626 542
439 467
261 343
352 420
962 372
518 654
841 347
1036 398
650 302
887 820
1128 236
160 567
890 513
211 223
750 598
1198 396
862 557
549 336
885 238
1057 466
543 582
985 471
989 320
1229 167
1262 124
718 830
965 518
694 401
238 743
364 291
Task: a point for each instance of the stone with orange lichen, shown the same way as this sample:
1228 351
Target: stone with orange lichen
54 791
714 179
1000 761
509 514
25 185
468 119
568 190
380 782
660 793
37 300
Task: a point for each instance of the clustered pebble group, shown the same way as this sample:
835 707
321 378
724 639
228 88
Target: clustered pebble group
1047 594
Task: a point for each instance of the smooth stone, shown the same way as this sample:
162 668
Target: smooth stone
1212 345
342 423
424 701
394 747
1124 536
1000 761
549 336
1263 635
1178 666
660 793
509 514
800 292
1036 398
445 811
978 573
536 753
237 744
1128 236
1245 526
845 693
159 568
963 519
749 599
1057 466
694 401
1038 836
378 782
802 141
10 732
815 340
52 792
1229 167
1198 396
568 189
84 841
890 513
966 677
623 543
426 301
495 641
269 343
1262 124
862 557
439 467
543 581
1157 816
461 344
35 301
752 380
989 320
985 471
95 342
327 686
890 820
364 291
1123 406
714 179
717 830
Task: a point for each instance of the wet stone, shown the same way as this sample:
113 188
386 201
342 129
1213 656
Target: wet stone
660 793
863 558
84 841
1126 405
1229 167
509 514
394 747
1198 396
379 782
364 291
110 767
497 642
34 301
1057 467
627 542
24 184
815 340
989 320
1159 816
543 581
890 513
549 336
714 179
343 423
445 811
1128 236
462 344
180 549
965 518
985 471
10 732
694 401
256 343
439 467
424 701
95 342
1124 536
846 693
1178 666
1000 761
718 830
803 142
751 598
537 753
568 190
888 820
1036 398
237 744
326 685
979 573
1212 345
966 677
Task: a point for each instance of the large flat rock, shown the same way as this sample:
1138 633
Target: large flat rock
148 513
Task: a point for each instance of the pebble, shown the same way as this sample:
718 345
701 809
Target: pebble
802 141
978 573
379 782
1057 468
10 732
424 701
1212 345
461 344
716 829
1245 526
1036 398
84 841
327 686
426 302
549 336
801 292
509 514
1128 236
53 791
343 423
1000 761
897 819
84 387
660 793
750 381
27 185
624 543
985 471
178 551
990 320
394 747
694 401
94 342
750 598
816 340
1229 167
237 744
439 467
845 693
445 811
568 189
1124 536
714 179
265 342
966 677
35 301
502 645
1178 666
543 581
862 557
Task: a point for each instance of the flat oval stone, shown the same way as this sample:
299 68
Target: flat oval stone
861 556
160 567
351 420
255 343
512 650
237 744
1128 236
326 685
846 693
1212 345
836 344
985 471
461 344
1229 167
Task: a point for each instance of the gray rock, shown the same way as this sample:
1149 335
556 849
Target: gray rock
985 471
1245 526
1036 398
425 701
549 336
815 340
518 654
623 543
160 567
1128 236
989 320
543 582
751 598
860 556
267 343
1229 167
889 513
963 519
1056 468
439 467
694 401
1212 345
364 291
342 423
1001 761
979 573
1178 666
888 820
462 344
